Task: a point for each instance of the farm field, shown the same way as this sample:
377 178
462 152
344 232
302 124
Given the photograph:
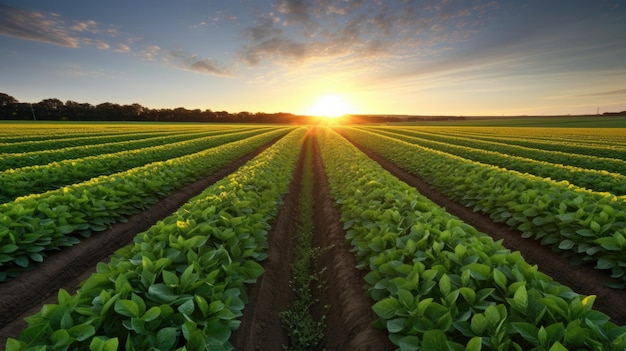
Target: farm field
464 237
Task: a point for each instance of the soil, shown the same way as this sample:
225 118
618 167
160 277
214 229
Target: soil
349 313
349 317
583 279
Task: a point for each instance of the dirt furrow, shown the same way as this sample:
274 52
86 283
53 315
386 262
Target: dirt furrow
583 279
350 314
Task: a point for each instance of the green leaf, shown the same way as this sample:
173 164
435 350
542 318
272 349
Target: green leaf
444 284
468 294
60 339
542 335
37 257
187 307
386 308
161 294
13 344
151 314
499 278
166 338
475 344
566 244
434 340
521 297
479 271
21 261
169 278
492 314
406 298
395 325
557 346
65 229
605 263
127 308
97 344
409 343
566 217
9 248
527 331
479 323
82 332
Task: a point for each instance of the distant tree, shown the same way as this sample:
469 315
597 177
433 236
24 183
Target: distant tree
49 109
8 106
75 111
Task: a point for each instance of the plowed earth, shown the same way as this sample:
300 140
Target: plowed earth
349 314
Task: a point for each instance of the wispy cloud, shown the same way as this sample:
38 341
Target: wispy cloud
296 31
193 62
36 26
50 28
606 93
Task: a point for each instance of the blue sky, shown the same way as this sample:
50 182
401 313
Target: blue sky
422 57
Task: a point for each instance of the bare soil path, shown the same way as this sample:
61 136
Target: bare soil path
350 313
583 279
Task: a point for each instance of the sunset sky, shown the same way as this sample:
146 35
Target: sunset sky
421 57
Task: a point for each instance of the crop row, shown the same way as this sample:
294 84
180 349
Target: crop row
584 136
49 144
439 284
580 223
557 157
24 159
181 286
33 225
37 179
609 150
592 179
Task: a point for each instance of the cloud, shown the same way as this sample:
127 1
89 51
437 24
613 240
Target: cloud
86 26
195 63
297 31
606 93
122 48
35 26
151 52
100 44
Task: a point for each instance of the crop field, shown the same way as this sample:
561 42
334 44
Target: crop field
271 237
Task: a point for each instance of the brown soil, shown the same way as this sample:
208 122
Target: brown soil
23 296
350 313
261 327
583 279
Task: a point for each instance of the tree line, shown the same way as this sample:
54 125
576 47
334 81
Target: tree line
57 110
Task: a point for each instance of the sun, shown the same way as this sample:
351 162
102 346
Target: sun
330 106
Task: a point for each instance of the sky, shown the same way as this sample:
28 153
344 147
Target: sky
403 57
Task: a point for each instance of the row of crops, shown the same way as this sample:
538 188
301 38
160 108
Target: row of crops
441 285
436 282
583 223
182 284
33 225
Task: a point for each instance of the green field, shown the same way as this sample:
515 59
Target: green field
556 121
434 280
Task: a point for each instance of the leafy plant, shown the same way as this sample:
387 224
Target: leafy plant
181 286
438 283
569 219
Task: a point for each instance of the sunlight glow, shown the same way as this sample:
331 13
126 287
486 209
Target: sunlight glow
330 106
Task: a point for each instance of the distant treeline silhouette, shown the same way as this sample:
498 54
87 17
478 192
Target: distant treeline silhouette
57 110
